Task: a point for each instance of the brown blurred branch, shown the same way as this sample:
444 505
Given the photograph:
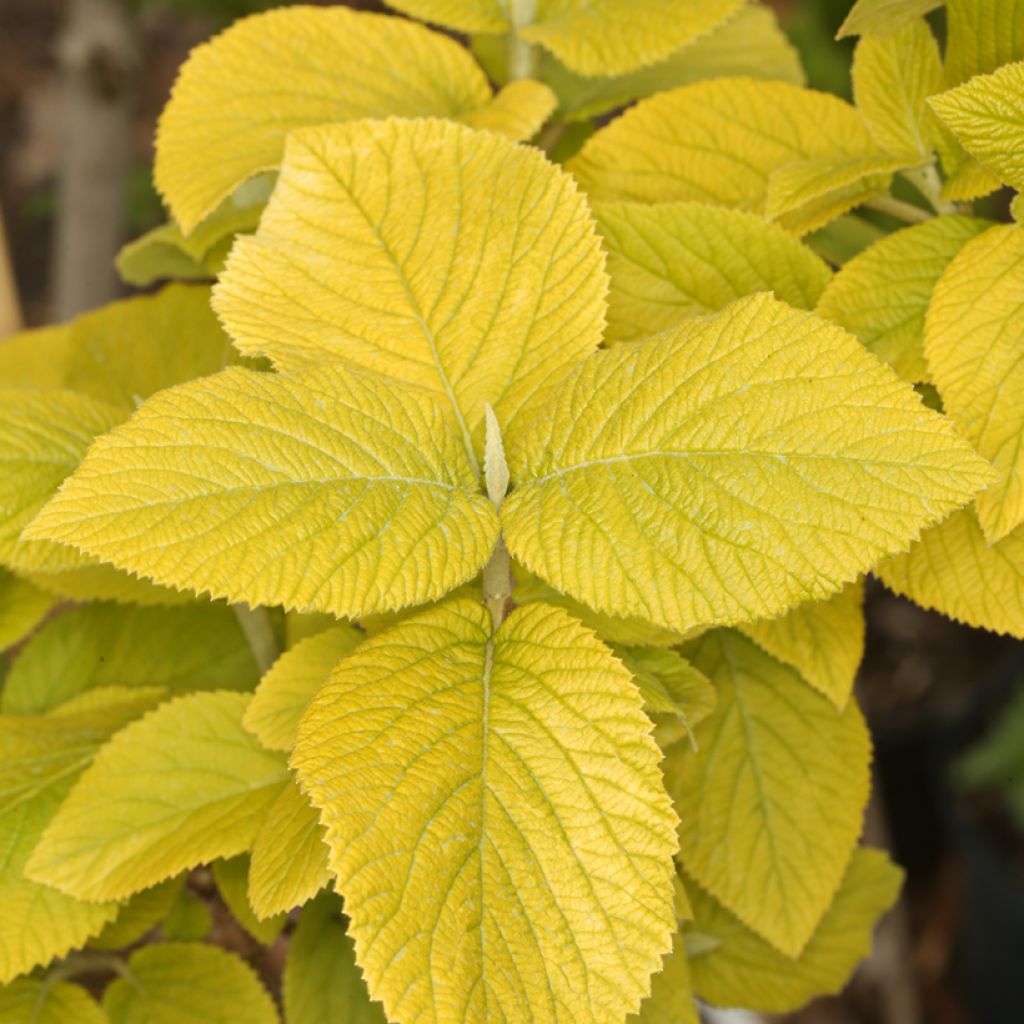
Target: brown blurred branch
10 307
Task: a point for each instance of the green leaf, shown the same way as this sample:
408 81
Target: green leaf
883 16
772 801
158 255
672 261
671 998
892 77
22 607
182 983
139 915
499 792
33 1001
278 71
106 645
289 856
322 984
882 294
273 713
125 827
428 288
843 238
189 918
972 343
518 111
987 116
232 878
744 969
34 360
325 491
982 35
693 491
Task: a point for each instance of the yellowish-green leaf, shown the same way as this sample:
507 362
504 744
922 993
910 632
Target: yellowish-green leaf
91 580
289 857
447 258
497 800
822 640
728 470
104 645
883 16
34 359
182 983
671 998
671 261
325 491
278 71
843 238
22 607
322 984
1017 208
668 683
972 342
882 294
232 878
744 969
772 801
463 15
189 918
139 915
954 570
160 254
35 1001
982 35
967 179
892 77
987 116
181 787
518 111
273 713
723 141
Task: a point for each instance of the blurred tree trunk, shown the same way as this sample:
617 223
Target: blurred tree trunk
98 59
10 308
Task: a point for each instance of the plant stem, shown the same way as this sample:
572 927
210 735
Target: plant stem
899 209
926 181
259 631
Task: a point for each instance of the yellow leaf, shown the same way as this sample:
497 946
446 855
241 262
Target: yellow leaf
987 116
671 261
671 998
728 469
882 294
982 35
954 570
743 969
91 580
325 491
274 72
34 359
496 799
463 15
446 258
883 16
518 111
22 608
232 878
772 801
972 342
1017 208
180 787
276 707
39 1001
822 640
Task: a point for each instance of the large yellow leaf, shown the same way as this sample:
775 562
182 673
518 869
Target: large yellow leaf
39 1001
518 111
771 802
444 257
22 607
330 491
496 818
742 969
671 261
982 35
182 786
463 15
728 469
954 570
727 141
972 341
272 73
883 16
34 359
882 294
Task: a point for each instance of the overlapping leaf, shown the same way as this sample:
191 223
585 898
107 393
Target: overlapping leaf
47 1002
232 878
518 111
982 35
883 16
671 999
22 607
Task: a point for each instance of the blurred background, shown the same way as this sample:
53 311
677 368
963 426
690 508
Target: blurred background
82 83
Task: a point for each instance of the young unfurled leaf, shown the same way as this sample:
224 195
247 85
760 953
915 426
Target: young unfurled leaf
882 294
973 345
314 66
744 969
728 469
484 283
671 261
22 607
771 802
183 786
39 1001
328 491
183 983
883 16
232 878
504 789
982 35
518 111
671 998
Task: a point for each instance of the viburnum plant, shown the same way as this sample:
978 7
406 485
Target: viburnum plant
477 567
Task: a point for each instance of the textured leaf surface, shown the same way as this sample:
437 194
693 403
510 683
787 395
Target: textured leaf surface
822 640
31 1001
954 570
496 818
289 857
772 801
182 786
982 35
882 294
232 878
463 15
671 998
972 342
671 261
744 969
518 111
275 72
322 984
195 647
181 983
724 470
275 709
22 607
447 258
883 16
328 491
